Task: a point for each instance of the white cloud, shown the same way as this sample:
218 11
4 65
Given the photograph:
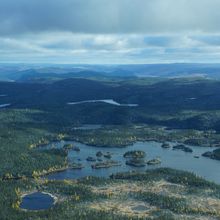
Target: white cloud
107 48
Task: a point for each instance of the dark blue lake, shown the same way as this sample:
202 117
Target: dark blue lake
37 201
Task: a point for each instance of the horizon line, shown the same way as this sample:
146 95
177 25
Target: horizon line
106 64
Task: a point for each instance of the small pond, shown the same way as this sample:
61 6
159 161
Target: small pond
37 201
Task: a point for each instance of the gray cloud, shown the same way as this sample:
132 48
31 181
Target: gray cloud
109 31
109 16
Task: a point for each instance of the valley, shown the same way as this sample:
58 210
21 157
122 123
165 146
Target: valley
109 110
45 146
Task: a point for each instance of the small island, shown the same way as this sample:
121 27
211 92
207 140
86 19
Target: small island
99 154
91 159
183 148
136 162
155 161
135 154
215 154
165 145
107 155
105 164
76 166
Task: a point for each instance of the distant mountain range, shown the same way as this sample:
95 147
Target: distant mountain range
25 72
175 103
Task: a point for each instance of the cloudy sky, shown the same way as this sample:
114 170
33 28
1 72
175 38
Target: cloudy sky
109 31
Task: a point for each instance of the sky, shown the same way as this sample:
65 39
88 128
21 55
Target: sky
110 31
